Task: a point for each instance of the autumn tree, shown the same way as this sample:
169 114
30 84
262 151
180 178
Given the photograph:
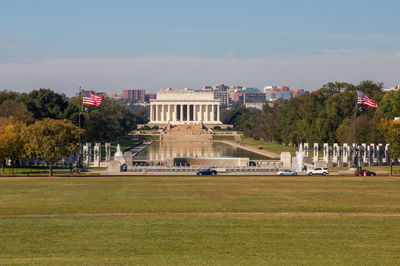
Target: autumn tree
391 131
11 141
51 140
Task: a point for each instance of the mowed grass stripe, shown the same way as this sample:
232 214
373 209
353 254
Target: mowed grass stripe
202 241
99 195
210 214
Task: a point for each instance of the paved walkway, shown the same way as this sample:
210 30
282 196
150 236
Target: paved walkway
208 214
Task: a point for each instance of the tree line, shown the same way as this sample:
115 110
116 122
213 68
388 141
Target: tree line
43 124
326 115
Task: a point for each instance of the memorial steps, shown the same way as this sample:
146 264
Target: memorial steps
186 133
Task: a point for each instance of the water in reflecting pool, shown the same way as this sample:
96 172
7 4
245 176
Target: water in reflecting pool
172 149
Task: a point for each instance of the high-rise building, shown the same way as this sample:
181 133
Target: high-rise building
137 95
223 96
220 87
254 100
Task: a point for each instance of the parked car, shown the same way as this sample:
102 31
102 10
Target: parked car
286 172
207 172
362 172
318 171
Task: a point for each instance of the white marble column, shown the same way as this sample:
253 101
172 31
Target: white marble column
181 112
168 113
175 112
156 112
218 118
213 112
151 113
187 112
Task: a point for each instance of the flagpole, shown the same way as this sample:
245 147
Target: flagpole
355 124
355 134
80 142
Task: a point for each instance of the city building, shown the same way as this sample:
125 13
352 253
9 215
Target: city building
298 92
223 96
274 93
150 96
220 87
206 88
136 95
254 99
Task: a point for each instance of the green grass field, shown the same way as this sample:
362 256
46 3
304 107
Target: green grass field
272 147
173 239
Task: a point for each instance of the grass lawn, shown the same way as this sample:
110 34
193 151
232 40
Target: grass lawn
125 142
199 240
83 195
222 137
31 170
277 148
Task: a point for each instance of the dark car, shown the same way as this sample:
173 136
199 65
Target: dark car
207 172
363 172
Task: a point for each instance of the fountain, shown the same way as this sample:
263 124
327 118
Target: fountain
119 152
299 158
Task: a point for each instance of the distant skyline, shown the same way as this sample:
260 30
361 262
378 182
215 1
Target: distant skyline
114 45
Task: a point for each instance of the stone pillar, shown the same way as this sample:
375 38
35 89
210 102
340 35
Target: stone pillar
306 149
326 152
345 154
335 154
340 156
187 112
97 154
108 151
87 154
156 106
175 117
363 154
218 113
387 154
315 148
372 153
380 154
151 113
181 112
354 154
213 112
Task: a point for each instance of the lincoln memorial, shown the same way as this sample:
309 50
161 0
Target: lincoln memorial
184 107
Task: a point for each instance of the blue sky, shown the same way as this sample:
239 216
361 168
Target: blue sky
115 45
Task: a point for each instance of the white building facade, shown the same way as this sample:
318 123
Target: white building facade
185 107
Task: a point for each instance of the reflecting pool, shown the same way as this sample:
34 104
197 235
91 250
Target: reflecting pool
163 150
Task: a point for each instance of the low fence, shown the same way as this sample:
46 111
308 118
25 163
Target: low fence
196 169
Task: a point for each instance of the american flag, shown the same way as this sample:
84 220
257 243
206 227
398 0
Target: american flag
363 99
91 99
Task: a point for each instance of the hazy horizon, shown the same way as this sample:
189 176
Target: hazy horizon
111 46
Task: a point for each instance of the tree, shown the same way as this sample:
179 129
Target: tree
10 107
51 140
391 131
45 103
390 104
11 141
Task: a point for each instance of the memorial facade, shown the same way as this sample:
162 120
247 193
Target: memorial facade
185 107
